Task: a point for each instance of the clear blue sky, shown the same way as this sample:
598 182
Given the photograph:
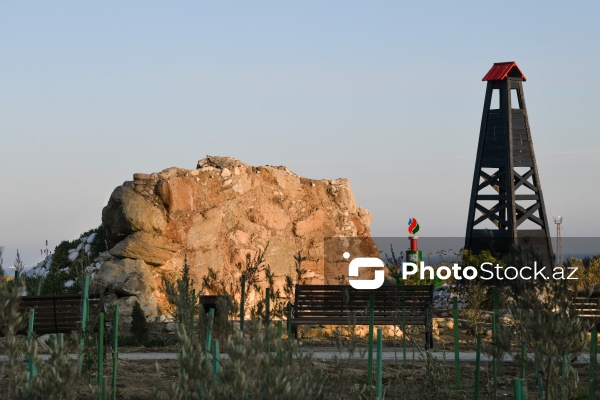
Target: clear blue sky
385 93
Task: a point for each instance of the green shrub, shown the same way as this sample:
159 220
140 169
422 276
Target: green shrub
180 294
249 373
56 378
588 273
546 322
11 321
61 269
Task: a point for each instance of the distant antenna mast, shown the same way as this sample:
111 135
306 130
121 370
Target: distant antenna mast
559 250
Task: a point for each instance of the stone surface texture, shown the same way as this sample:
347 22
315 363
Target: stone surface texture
214 216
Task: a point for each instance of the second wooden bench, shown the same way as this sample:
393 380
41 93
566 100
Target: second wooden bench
344 305
59 313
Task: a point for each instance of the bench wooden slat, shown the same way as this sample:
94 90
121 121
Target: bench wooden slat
588 309
58 313
341 305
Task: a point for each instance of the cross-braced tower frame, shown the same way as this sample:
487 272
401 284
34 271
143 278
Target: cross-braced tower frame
507 204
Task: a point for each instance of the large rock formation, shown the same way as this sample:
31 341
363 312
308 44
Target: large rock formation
214 216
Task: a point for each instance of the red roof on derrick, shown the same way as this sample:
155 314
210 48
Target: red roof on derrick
501 70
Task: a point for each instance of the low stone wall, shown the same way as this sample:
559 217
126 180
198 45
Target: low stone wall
443 295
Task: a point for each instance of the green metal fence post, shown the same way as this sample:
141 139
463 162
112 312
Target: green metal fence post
370 343
209 327
593 363
379 370
403 328
101 356
538 377
518 389
456 349
31 362
494 341
217 360
84 318
477 365
523 360
522 375
115 351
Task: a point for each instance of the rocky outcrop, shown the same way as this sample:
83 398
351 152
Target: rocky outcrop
151 248
214 216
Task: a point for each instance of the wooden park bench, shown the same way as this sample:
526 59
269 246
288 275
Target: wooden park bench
588 308
59 313
344 305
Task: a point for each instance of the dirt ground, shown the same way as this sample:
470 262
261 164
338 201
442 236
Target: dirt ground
344 380
138 380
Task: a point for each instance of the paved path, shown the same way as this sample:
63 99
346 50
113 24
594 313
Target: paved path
387 355
330 353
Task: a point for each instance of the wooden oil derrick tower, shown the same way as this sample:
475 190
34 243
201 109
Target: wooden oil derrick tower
507 205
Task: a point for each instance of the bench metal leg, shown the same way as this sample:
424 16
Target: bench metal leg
429 328
428 339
